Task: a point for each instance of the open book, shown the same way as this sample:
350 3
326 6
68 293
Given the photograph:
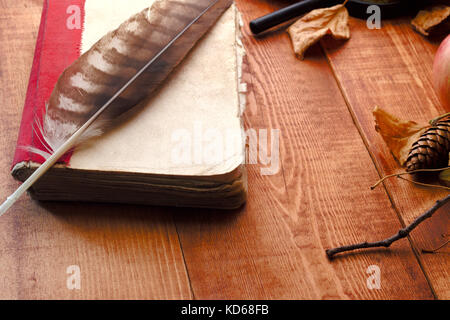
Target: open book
183 147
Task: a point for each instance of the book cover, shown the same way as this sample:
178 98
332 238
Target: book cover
184 146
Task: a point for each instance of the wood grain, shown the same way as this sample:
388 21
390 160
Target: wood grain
123 251
391 68
274 246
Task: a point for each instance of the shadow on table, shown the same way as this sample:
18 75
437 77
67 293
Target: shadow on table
96 216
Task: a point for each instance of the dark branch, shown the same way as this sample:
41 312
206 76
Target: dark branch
402 233
437 249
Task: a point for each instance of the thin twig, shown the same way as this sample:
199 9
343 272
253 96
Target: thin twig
425 184
437 249
435 120
402 233
405 173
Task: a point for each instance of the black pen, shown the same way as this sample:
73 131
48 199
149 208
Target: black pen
275 18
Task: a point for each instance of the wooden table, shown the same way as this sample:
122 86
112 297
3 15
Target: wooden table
272 248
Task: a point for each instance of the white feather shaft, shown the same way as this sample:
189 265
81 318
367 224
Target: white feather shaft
72 141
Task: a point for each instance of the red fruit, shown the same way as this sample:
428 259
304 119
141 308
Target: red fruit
441 73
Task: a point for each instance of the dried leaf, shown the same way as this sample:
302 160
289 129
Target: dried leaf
316 24
430 17
444 177
399 135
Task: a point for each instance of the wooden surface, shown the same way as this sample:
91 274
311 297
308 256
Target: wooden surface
273 247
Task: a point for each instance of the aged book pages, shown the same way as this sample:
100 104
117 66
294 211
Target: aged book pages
192 126
182 147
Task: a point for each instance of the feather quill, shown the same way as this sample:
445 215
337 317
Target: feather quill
120 70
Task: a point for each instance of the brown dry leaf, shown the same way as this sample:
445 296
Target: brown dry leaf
399 135
430 17
444 177
316 24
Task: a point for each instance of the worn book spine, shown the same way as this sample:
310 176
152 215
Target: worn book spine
65 33
58 45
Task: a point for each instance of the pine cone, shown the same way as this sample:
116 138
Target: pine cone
431 150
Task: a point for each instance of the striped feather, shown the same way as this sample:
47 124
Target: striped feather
120 70
85 86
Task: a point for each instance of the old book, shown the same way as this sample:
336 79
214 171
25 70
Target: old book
183 147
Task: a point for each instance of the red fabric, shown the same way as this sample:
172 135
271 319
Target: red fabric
57 47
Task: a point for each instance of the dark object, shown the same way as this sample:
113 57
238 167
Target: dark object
402 233
283 15
432 149
356 8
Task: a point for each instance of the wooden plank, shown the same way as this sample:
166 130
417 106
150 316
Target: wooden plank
122 251
273 248
391 68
